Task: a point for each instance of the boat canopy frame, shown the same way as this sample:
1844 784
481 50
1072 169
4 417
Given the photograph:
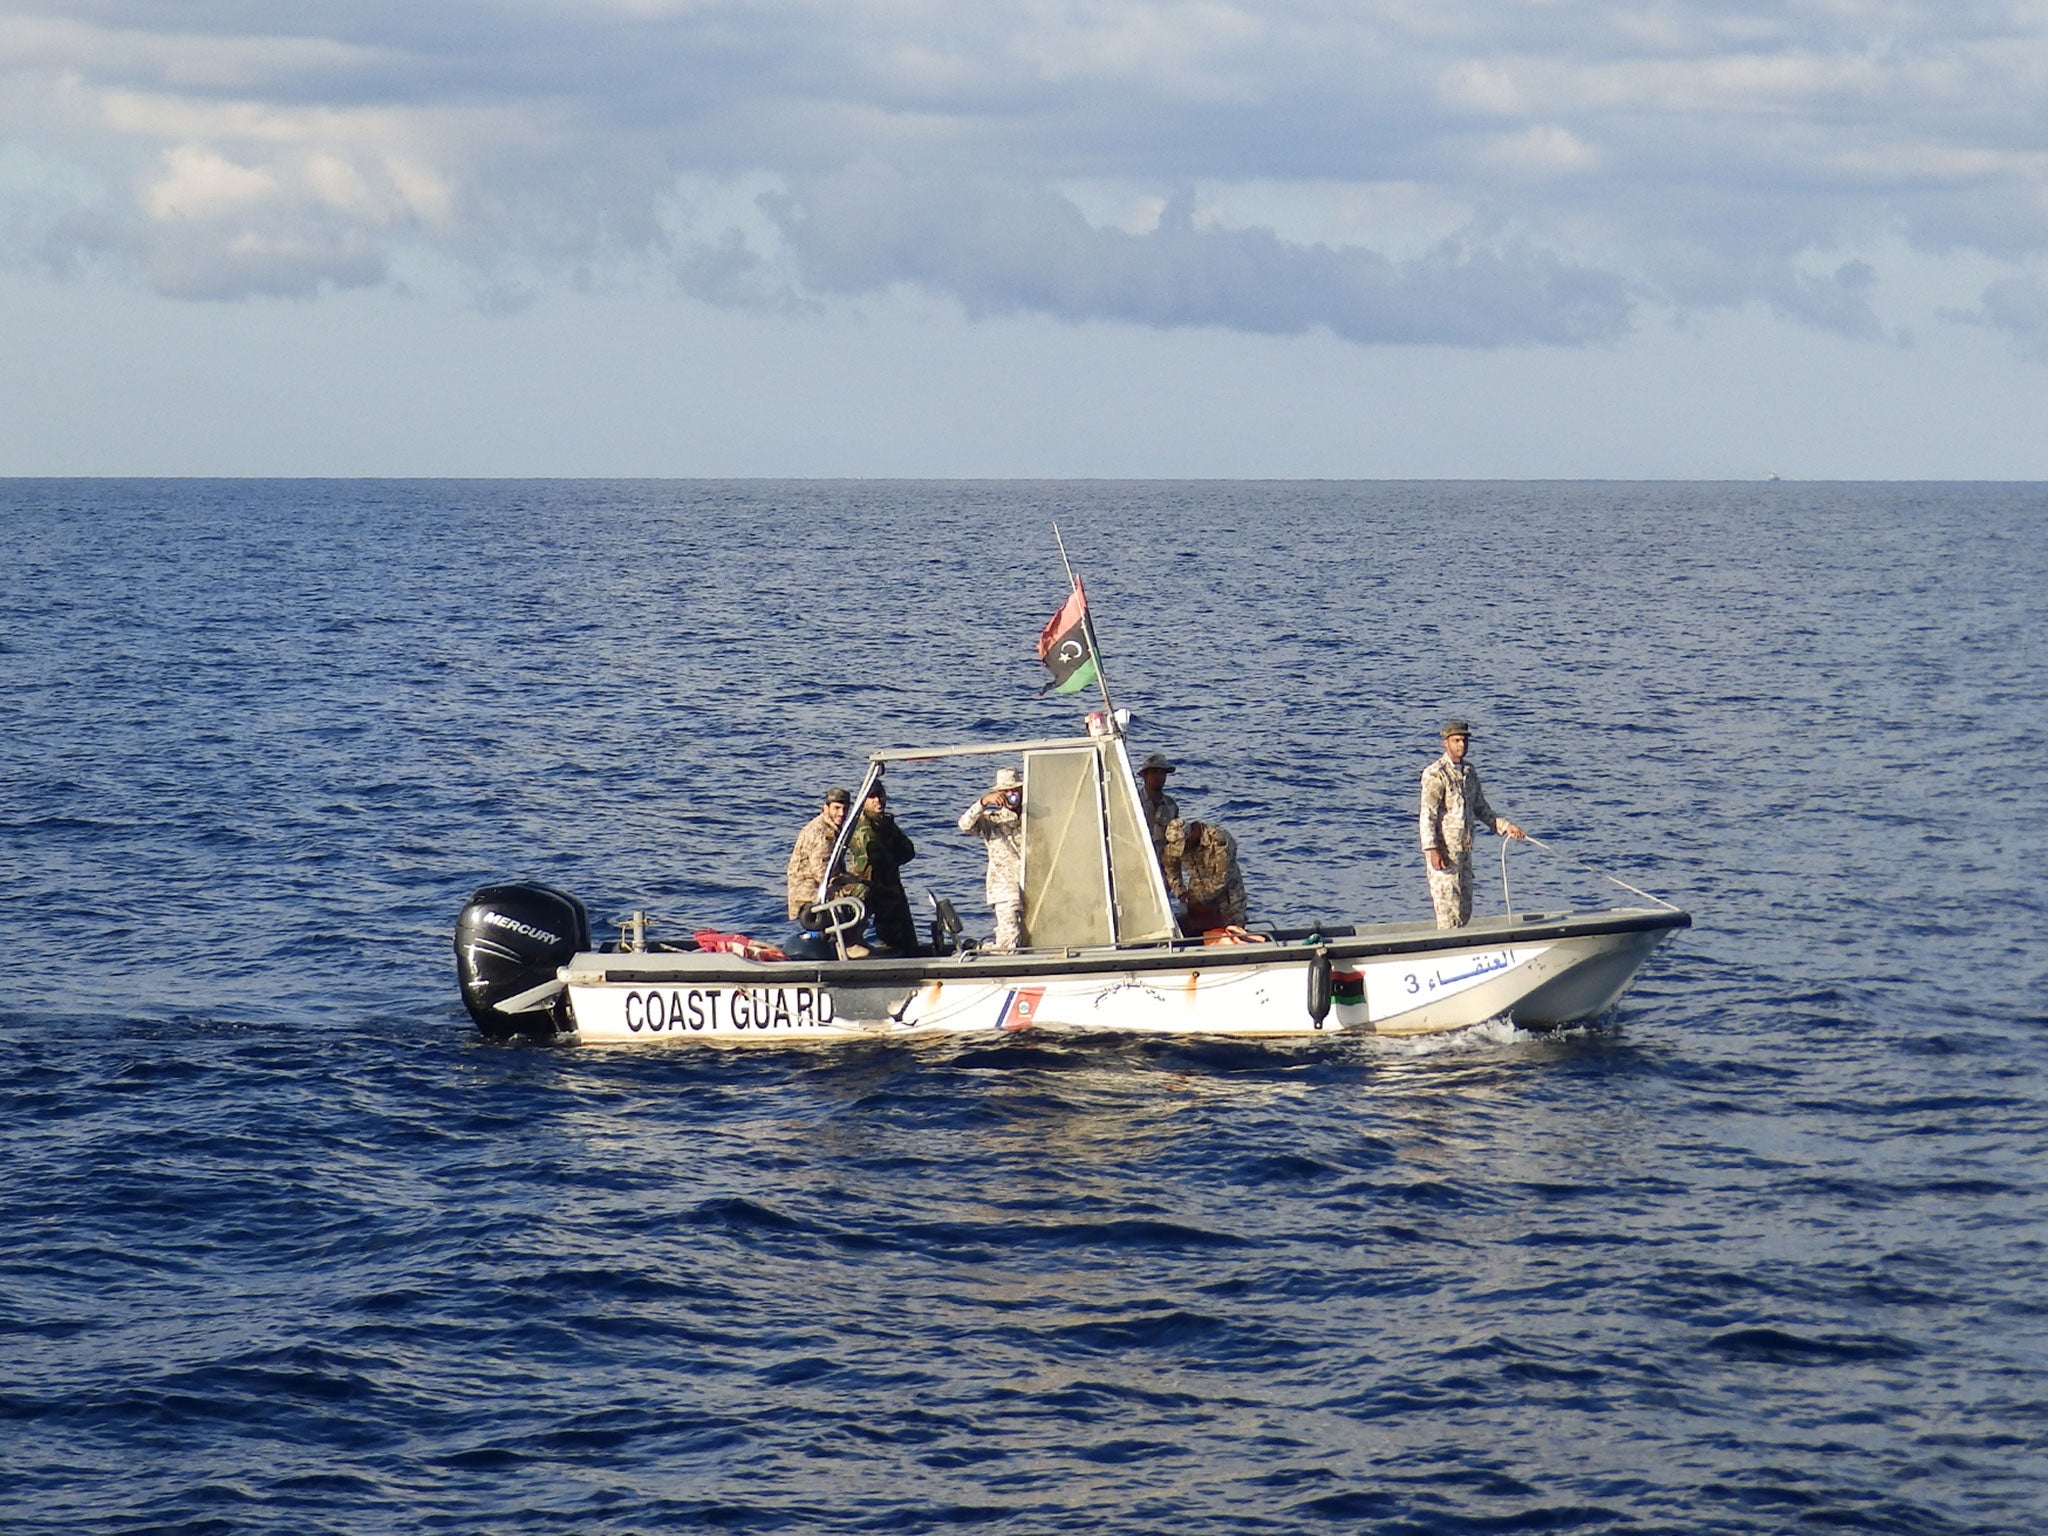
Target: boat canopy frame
1092 873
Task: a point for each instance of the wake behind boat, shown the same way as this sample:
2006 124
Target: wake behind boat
1104 954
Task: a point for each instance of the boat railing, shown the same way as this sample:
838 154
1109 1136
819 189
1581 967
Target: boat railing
1508 901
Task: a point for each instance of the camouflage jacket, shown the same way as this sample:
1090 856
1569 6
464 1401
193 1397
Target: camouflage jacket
876 852
1452 802
807 862
1157 814
1205 879
1002 829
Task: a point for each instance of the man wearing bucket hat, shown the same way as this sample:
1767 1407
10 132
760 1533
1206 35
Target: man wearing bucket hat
1452 803
997 818
813 848
1160 807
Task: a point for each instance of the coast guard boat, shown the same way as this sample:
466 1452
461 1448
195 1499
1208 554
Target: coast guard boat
1105 952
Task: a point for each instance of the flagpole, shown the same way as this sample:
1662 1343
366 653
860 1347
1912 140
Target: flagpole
1101 677
1072 580
1088 624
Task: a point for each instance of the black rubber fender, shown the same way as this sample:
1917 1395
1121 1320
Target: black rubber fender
1319 987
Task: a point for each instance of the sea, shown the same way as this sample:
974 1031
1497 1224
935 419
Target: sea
285 1246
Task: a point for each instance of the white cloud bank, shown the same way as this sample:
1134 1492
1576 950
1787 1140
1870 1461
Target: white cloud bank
1585 165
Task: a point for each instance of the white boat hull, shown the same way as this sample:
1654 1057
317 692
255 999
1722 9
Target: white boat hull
1396 980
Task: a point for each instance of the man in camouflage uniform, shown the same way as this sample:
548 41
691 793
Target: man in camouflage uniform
1201 871
876 852
1160 807
813 848
997 818
1452 802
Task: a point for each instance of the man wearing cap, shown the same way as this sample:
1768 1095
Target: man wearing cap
876 851
1452 802
813 848
997 818
1160 807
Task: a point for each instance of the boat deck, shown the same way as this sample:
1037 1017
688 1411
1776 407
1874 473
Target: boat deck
1341 941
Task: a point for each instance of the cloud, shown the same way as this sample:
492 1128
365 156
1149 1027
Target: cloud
1542 149
1005 250
2018 307
1602 161
1839 300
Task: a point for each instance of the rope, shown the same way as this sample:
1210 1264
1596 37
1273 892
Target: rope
1508 901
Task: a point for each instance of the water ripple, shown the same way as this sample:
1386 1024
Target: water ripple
289 1249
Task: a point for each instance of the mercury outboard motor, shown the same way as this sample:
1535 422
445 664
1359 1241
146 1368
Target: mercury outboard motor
509 942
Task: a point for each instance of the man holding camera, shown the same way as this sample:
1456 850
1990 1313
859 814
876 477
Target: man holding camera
997 818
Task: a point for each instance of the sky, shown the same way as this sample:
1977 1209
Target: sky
1259 238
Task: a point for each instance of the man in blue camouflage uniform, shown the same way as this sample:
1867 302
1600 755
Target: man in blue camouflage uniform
1452 803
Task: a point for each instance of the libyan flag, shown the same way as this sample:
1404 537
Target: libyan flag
1066 646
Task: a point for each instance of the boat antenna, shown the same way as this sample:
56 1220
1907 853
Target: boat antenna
1088 624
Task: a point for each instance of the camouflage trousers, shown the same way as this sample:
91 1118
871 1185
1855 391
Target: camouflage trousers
1450 891
1009 927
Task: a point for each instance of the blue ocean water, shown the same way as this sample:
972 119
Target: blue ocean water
286 1247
